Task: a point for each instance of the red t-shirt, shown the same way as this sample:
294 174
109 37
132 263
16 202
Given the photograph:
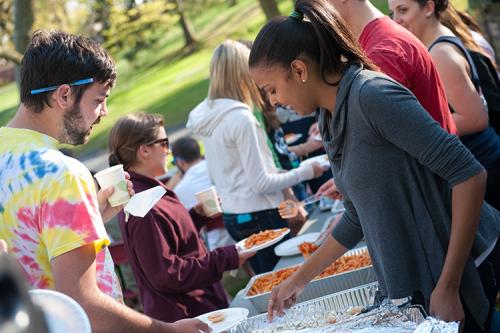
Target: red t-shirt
404 58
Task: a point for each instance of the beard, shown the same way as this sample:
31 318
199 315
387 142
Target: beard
72 132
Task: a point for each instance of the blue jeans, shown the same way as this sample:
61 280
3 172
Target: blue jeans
240 226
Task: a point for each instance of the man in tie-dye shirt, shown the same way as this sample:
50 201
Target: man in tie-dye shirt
50 214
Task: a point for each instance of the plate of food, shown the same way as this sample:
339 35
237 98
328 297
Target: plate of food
320 159
291 138
225 319
291 246
261 240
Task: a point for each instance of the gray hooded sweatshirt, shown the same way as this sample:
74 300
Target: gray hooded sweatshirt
395 166
239 161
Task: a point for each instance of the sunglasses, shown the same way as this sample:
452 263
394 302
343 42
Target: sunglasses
163 142
72 84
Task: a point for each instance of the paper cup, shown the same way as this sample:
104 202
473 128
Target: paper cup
114 177
210 201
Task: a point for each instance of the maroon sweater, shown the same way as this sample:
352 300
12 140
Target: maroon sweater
177 276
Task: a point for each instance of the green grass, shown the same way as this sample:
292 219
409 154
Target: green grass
8 102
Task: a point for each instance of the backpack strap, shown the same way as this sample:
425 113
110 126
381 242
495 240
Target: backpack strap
458 43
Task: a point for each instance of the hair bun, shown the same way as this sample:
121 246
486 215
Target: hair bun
113 160
440 5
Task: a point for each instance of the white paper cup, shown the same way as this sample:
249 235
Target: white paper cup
210 201
114 177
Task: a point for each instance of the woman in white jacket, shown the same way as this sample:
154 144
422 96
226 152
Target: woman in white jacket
239 162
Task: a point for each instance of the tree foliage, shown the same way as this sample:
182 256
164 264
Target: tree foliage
137 27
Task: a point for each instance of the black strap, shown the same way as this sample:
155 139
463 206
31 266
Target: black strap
458 43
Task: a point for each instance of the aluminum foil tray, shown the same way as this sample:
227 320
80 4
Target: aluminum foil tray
311 310
320 287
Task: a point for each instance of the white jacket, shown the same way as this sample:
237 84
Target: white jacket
239 161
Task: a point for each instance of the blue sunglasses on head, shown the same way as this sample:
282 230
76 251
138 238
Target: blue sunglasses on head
76 83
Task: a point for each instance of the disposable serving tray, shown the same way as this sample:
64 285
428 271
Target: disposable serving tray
320 287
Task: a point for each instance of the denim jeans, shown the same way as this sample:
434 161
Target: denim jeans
240 226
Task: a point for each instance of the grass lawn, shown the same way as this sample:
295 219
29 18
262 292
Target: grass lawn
166 79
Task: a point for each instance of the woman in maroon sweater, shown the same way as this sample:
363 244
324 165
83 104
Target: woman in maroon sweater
177 276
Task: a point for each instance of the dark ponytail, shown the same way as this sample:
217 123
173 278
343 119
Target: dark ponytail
321 37
439 6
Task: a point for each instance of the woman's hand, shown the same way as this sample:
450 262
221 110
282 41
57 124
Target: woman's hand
283 296
243 257
107 211
445 304
188 326
200 210
288 209
329 189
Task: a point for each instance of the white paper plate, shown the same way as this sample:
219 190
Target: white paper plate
292 138
291 246
321 159
232 317
62 313
241 244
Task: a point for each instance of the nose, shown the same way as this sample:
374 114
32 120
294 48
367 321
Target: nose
396 18
104 110
273 100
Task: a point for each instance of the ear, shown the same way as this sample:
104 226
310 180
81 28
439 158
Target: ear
299 71
143 152
429 8
62 97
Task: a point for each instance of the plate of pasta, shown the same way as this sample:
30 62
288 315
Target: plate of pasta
291 246
261 240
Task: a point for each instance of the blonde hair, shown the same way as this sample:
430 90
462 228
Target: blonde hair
451 19
230 77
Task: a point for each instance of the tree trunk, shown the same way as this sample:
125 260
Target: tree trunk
187 29
23 23
270 8
10 55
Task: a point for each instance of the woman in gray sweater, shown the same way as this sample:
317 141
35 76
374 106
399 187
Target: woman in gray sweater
413 190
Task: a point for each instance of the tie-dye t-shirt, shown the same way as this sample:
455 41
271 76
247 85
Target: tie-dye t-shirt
48 207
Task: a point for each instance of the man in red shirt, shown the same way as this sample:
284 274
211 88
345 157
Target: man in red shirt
398 54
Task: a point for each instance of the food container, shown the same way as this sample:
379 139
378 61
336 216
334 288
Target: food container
320 287
360 296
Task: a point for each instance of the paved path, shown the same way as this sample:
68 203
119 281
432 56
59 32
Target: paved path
100 159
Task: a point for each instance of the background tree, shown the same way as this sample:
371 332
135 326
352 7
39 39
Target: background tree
270 8
7 50
187 28
23 23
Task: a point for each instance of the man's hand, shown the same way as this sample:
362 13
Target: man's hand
446 305
329 189
189 326
107 212
3 246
